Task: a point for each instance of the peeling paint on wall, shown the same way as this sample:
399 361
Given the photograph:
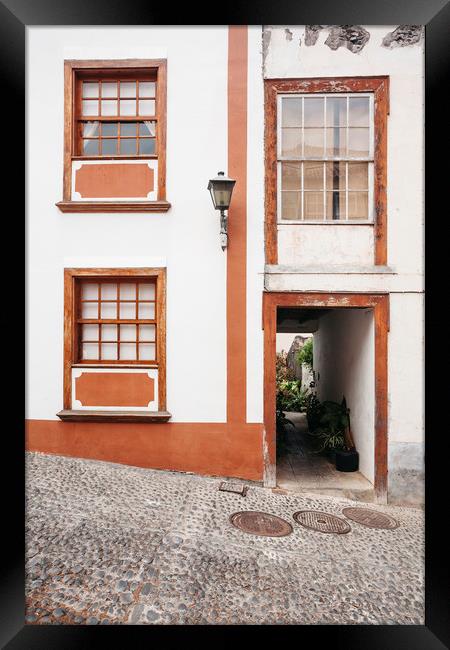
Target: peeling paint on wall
406 484
270 472
353 37
266 36
312 33
403 36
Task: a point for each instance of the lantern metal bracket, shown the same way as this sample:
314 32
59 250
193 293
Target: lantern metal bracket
223 229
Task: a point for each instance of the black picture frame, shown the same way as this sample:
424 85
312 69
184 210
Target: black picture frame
15 16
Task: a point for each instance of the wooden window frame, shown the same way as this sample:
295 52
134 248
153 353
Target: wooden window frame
379 86
325 161
71 279
101 77
72 68
117 321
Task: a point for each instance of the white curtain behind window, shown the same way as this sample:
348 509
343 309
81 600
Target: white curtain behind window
90 129
150 126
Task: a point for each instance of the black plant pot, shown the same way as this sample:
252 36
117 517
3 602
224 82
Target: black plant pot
347 461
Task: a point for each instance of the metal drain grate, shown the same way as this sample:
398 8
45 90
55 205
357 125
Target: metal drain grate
321 521
235 488
371 518
261 523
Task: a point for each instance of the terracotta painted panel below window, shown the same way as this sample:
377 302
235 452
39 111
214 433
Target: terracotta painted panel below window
114 389
114 180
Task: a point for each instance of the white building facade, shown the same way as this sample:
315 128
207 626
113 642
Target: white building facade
147 344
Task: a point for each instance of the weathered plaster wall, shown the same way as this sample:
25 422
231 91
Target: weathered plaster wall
344 365
339 278
311 244
406 425
406 478
329 51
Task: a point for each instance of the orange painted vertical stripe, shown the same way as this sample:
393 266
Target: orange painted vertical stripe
237 226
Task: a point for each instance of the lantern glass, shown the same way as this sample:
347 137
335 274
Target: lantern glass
221 189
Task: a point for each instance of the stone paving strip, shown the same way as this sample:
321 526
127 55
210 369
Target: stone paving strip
112 544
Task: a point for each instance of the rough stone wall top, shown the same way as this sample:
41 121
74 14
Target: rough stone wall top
297 344
353 37
403 36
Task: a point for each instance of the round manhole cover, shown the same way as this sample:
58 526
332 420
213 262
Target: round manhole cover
370 518
321 521
261 523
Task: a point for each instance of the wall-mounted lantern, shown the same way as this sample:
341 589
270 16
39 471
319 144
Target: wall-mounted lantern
221 189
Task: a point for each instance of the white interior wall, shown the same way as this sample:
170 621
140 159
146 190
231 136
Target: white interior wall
186 238
344 365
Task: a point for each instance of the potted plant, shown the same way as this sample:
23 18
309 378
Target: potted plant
347 458
326 423
332 435
313 411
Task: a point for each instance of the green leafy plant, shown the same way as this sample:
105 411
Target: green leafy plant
305 354
313 410
328 441
291 396
334 416
283 372
281 420
331 420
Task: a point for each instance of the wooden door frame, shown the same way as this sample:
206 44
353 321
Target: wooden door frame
380 304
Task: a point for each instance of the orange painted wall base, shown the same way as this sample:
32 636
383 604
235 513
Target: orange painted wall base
218 449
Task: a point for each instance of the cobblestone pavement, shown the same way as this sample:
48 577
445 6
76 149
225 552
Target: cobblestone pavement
111 544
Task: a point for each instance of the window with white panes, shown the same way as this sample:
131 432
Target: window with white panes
325 157
116 320
116 116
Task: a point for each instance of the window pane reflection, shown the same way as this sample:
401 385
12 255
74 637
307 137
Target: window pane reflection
313 107
313 143
290 205
358 111
313 175
336 111
291 142
314 205
358 142
291 176
292 111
